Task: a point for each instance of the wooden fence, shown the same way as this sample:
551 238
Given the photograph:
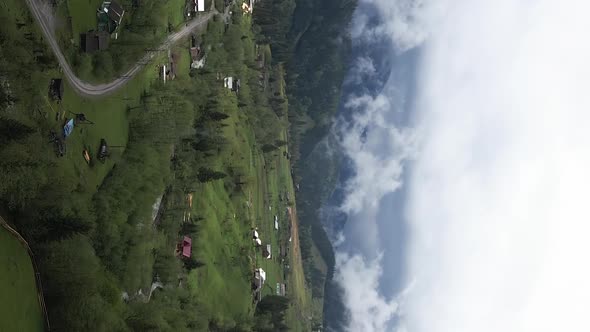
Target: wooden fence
25 244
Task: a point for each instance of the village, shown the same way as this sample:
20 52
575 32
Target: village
271 234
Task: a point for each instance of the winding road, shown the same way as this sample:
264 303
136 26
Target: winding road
94 90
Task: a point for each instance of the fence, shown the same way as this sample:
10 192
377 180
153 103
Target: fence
25 244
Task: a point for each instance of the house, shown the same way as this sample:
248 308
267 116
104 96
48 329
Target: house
93 41
114 12
184 247
56 89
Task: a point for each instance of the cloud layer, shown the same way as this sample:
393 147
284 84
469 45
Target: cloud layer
498 214
496 207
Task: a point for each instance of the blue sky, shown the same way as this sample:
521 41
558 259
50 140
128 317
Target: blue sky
469 154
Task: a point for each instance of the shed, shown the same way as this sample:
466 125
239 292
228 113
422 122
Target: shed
267 252
228 82
259 277
276 224
56 89
186 246
200 5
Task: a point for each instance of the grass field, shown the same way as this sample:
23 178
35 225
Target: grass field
227 216
19 307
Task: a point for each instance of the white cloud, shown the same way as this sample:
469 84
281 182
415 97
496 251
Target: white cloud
407 22
498 223
369 311
498 199
377 149
363 68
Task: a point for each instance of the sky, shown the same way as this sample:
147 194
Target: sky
467 201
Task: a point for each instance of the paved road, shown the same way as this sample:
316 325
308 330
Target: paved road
88 89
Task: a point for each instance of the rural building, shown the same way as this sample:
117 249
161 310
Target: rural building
280 290
114 12
232 84
184 248
93 41
56 89
266 253
259 277
195 6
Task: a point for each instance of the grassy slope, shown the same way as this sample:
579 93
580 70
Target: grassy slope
19 307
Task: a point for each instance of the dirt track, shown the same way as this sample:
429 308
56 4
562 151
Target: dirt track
294 236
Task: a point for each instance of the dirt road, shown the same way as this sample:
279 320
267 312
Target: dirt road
39 11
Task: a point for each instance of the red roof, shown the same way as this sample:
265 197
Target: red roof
186 246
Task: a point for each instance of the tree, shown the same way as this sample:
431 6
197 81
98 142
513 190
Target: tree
217 116
207 175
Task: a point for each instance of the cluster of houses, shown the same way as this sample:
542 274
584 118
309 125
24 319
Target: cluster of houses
110 16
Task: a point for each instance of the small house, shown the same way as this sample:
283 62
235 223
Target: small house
114 12
184 247
233 85
93 41
56 89
266 253
228 82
